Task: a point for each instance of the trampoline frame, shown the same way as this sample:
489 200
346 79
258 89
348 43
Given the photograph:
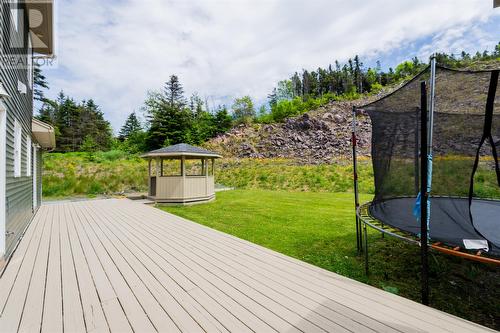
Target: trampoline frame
364 217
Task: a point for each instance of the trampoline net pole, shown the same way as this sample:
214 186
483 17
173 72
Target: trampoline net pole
355 179
424 195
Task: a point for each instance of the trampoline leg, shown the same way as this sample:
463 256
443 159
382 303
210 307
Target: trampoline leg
361 247
366 249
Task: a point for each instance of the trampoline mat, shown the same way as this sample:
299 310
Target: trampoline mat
450 220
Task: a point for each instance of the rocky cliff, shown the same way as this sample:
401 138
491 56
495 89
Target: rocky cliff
319 136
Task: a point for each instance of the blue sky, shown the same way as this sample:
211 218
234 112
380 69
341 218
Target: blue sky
115 51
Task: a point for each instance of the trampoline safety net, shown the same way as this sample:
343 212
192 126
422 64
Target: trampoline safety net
465 197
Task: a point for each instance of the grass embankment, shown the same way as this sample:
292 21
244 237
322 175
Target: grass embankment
319 228
83 174
115 172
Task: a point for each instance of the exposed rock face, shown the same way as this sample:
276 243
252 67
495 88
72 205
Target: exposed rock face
319 136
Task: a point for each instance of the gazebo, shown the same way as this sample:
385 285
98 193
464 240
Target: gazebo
181 174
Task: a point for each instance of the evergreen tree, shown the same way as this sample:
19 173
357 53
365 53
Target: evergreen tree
174 93
222 120
273 98
131 126
39 83
170 121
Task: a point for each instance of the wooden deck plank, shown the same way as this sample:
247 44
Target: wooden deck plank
115 265
115 315
158 316
228 313
134 312
186 314
72 307
31 313
249 308
251 313
95 319
52 318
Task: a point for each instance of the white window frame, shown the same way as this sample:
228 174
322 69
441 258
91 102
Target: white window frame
28 156
17 148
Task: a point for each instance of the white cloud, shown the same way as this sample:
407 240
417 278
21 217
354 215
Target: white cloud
114 51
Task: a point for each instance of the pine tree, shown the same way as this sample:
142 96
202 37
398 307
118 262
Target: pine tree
174 93
131 126
170 121
39 83
358 74
222 120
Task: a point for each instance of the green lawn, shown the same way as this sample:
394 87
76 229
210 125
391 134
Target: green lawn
319 228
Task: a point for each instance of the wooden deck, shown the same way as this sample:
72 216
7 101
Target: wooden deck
116 265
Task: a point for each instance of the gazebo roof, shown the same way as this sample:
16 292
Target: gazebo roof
181 149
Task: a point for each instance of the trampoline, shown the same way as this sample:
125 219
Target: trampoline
435 144
450 221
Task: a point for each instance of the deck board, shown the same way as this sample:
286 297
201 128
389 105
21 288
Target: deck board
117 265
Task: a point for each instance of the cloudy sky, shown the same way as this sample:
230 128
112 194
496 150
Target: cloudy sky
116 50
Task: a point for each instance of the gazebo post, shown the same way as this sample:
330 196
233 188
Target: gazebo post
205 172
158 173
183 166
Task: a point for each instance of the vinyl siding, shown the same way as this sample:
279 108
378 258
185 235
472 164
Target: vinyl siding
19 200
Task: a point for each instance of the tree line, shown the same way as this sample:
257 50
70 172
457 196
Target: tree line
170 117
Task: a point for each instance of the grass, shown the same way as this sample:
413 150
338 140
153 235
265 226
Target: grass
318 228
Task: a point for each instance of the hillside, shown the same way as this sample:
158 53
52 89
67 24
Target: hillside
319 136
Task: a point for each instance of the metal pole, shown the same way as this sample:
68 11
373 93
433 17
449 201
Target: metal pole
431 103
424 196
366 250
355 179
417 152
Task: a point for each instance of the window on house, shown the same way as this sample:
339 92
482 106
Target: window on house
28 156
17 149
